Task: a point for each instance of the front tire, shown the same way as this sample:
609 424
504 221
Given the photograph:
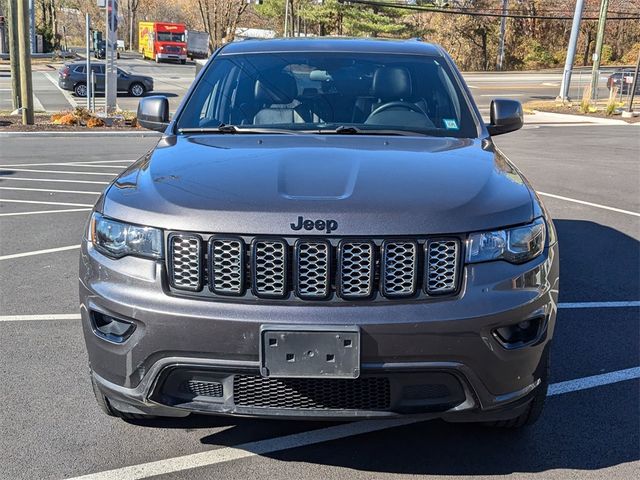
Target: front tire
80 89
137 90
183 62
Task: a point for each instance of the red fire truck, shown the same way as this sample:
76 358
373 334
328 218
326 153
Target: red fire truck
162 41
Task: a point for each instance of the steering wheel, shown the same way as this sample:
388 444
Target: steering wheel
401 104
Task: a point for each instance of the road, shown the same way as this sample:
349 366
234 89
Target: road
51 427
173 80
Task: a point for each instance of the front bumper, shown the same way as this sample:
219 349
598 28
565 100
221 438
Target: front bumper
407 341
171 56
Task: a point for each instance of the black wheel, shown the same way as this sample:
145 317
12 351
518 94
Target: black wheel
137 90
535 407
183 62
80 89
107 408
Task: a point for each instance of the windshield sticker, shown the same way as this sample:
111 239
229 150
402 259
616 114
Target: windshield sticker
450 124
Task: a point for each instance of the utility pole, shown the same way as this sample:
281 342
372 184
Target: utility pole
571 51
595 71
503 31
26 88
14 54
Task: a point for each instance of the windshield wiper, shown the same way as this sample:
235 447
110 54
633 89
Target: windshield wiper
224 128
351 130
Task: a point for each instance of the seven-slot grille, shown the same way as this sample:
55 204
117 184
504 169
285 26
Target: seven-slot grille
313 269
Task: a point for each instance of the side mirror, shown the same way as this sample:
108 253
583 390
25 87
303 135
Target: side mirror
153 113
506 116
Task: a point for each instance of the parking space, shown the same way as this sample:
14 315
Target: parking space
589 178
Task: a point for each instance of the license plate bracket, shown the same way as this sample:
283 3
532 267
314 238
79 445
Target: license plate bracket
288 351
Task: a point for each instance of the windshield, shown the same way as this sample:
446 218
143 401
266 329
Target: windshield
325 91
170 37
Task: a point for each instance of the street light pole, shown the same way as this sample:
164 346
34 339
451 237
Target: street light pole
571 51
595 71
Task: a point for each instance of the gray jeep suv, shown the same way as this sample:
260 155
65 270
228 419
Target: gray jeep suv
325 230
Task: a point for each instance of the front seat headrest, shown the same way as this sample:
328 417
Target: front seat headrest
391 82
279 87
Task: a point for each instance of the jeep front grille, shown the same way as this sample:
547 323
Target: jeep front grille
442 266
226 276
400 267
356 269
312 263
313 269
185 270
269 268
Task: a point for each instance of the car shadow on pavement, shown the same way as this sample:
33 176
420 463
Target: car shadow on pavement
597 263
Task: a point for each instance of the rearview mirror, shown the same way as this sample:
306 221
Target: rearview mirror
153 113
506 116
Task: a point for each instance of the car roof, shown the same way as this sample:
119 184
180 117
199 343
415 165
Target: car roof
333 44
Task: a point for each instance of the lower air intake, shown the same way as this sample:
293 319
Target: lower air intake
369 393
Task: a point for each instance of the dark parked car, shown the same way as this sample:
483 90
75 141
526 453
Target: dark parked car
73 77
623 81
325 230
101 52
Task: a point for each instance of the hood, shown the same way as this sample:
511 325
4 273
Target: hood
369 185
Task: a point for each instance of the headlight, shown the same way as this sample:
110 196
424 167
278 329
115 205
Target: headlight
515 245
118 239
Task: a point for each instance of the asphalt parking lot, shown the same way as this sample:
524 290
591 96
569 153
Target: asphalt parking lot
589 178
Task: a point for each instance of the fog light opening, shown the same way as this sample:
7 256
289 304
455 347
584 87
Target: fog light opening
519 334
110 328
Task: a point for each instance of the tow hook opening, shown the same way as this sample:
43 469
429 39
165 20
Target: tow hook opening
520 334
110 328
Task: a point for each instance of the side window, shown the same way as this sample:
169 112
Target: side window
79 69
98 69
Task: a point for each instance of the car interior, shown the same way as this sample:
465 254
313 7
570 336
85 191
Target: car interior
416 94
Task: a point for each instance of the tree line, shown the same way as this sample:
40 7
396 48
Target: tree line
473 41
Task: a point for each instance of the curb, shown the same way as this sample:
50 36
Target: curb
101 133
560 118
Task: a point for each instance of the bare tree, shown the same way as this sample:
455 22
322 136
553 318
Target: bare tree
220 19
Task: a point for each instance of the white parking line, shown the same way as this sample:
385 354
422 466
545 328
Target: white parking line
80 162
60 171
46 203
72 101
296 440
95 166
38 252
599 304
52 180
597 205
39 212
49 190
22 318
593 381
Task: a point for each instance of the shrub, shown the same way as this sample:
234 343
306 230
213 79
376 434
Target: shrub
67 119
95 122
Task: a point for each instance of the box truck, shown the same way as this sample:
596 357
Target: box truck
162 41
